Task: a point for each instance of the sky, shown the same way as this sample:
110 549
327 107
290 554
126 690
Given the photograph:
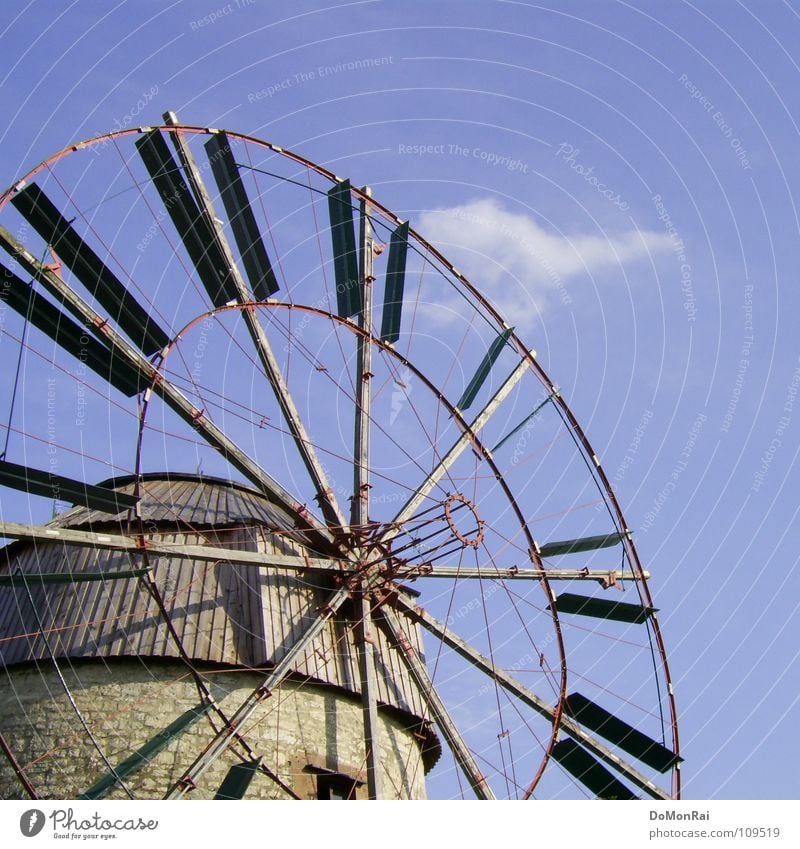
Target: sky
620 178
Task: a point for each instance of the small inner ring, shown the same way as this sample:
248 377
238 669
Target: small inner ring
455 503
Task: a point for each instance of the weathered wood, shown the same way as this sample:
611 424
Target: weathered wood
119 542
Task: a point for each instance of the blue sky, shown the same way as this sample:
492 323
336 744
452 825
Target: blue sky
639 164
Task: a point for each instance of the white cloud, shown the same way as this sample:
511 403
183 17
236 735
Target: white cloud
517 263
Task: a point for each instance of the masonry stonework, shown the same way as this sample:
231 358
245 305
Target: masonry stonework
301 731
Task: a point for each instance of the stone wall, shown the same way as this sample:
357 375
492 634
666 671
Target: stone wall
301 731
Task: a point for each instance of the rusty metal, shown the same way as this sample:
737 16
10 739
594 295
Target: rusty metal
457 498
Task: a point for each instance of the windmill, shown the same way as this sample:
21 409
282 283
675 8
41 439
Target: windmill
399 570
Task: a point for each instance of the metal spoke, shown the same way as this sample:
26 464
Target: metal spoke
298 563
514 573
466 438
422 617
359 512
369 701
363 386
162 387
226 737
324 493
419 672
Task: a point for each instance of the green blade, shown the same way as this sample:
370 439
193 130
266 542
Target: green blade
242 219
236 782
142 756
620 733
599 608
66 333
37 482
525 421
87 266
395 281
22 580
591 773
573 546
345 255
483 369
200 242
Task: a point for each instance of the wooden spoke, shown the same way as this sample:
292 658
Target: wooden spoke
363 385
324 493
598 749
225 738
366 666
418 670
466 438
161 386
133 545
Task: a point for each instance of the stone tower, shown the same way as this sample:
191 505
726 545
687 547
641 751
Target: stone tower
113 686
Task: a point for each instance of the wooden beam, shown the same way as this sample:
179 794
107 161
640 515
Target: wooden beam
119 347
132 545
452 735
466 438
226 737
324 492
461 647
